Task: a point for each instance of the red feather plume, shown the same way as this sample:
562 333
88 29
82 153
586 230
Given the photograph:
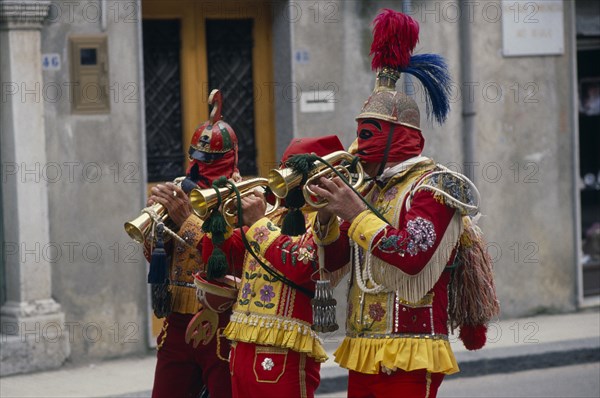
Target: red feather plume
395 36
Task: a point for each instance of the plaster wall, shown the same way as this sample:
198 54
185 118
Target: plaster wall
98 273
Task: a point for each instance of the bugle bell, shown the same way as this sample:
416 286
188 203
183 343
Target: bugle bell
139 228
205 200
282 181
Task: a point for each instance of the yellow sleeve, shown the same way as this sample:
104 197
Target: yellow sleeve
365 228
326 234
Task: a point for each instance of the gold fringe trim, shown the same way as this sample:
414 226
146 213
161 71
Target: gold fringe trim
366 355
414 287
184 300
276 331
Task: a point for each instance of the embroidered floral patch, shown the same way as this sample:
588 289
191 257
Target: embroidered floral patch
246 290
252 264
376 312
306 254
261 234
267 293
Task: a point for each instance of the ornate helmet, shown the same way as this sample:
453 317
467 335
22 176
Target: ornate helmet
389 112
214 137
213 150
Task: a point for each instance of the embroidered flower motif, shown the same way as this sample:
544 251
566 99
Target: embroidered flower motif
305 255
422 235
390 194
267 293
267 364
261 234
253 265
376 312
246 290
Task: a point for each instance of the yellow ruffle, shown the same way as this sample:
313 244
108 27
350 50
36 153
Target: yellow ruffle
366 355
283 334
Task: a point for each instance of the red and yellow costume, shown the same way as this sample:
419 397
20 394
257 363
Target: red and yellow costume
275 352
182 370
403 247
397 302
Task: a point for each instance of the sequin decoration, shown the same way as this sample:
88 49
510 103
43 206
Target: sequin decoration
267 364
420 237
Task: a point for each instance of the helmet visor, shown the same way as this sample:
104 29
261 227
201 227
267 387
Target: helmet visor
204 156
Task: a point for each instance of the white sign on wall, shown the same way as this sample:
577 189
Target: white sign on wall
532 27
317 101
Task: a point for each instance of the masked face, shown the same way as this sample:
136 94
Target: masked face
369 132
374 144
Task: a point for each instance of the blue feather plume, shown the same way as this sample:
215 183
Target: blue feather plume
432 72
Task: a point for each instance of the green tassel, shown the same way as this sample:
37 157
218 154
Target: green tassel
293 222
216 225
217 266
303 163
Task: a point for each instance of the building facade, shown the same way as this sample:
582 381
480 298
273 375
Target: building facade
99 100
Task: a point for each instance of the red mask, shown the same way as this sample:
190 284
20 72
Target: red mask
204 173
372 140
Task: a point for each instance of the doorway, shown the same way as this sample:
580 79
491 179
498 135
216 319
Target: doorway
588 88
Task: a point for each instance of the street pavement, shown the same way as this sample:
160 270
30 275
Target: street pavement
554 355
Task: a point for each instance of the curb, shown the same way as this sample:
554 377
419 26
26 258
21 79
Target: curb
488 366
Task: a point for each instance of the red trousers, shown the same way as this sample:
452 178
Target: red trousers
400 384
263 372
182 370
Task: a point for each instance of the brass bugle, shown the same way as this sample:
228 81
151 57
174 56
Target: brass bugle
313 199
281 181
139 228
205 200
230 205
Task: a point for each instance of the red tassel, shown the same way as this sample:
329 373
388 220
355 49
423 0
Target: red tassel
473 337
395 36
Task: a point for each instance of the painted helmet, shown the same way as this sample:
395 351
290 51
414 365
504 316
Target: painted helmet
214 137
385 103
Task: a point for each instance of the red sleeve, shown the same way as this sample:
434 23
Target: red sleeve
411 246
233 247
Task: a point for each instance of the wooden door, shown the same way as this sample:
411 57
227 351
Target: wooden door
190 48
